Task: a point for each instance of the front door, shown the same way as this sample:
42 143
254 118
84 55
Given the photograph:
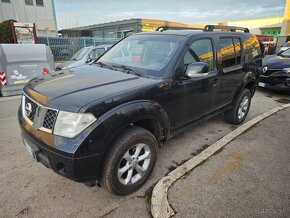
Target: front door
193 98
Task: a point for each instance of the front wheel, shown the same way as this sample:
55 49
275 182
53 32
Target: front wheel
130 161
240 109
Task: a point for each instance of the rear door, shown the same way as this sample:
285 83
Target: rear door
230 68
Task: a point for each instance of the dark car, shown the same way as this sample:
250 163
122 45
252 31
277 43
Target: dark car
103 122
276 72
84 56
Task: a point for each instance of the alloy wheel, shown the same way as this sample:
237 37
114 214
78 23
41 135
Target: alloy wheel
243 108
134 164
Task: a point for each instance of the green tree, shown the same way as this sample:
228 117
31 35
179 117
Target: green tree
6 35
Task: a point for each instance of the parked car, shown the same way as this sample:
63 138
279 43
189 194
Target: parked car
276 72
20 63
103 122
282 41
84 56
284 47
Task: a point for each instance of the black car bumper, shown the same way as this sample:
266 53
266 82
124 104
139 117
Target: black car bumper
279 81
80 169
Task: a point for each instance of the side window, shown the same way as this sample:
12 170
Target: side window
227 51
200 51
96 53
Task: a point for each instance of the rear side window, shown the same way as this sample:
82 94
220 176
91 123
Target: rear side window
227 51
200 51
230 50
253 49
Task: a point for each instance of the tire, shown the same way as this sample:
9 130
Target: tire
121 162
240 109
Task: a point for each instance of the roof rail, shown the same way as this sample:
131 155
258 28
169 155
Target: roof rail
231 28
164 28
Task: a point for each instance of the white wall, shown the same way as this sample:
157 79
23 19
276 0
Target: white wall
42 16
254 25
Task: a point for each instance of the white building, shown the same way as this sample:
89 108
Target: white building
40 12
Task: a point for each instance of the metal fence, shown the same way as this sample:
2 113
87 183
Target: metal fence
64 48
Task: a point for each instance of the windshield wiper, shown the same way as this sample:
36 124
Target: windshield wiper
128 69
101 64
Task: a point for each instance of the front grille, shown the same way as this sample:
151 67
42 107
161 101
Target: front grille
30 112
49 119
270 71
34 113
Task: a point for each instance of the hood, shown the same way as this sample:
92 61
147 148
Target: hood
276 62
70 64
70 90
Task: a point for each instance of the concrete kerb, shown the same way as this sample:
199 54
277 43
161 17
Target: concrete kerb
160 207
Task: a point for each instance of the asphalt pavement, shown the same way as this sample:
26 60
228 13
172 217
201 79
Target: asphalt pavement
248 178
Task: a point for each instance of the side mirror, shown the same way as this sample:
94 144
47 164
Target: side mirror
88 60
197 69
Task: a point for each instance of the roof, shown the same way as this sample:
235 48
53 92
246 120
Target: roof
172 32
132 21
93 26
188 32
276 25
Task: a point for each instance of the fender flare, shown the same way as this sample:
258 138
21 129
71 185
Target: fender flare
120 117
249 77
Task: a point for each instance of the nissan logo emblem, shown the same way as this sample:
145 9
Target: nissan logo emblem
265 69
28 109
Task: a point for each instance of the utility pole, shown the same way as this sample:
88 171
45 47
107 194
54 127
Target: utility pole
285 30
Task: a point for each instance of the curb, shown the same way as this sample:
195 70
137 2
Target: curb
160 207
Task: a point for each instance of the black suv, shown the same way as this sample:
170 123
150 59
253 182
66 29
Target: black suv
103 122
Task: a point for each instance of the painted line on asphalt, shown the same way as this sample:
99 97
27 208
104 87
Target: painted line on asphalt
4 99
160 207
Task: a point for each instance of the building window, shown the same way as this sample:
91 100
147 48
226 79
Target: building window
5 1
39 3
29 2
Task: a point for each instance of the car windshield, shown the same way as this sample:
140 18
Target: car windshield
286 53
80 54
287 44
145 54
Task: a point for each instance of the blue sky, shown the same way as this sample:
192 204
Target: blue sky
73 13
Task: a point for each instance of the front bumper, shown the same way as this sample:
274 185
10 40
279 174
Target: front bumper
59 158
279 81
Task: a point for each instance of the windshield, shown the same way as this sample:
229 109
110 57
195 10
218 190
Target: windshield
286 53
80 54
147 54
287 44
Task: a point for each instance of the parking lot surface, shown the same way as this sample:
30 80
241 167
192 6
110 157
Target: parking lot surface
248 178
28 189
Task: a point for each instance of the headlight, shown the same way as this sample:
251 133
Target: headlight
71 124
287 70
